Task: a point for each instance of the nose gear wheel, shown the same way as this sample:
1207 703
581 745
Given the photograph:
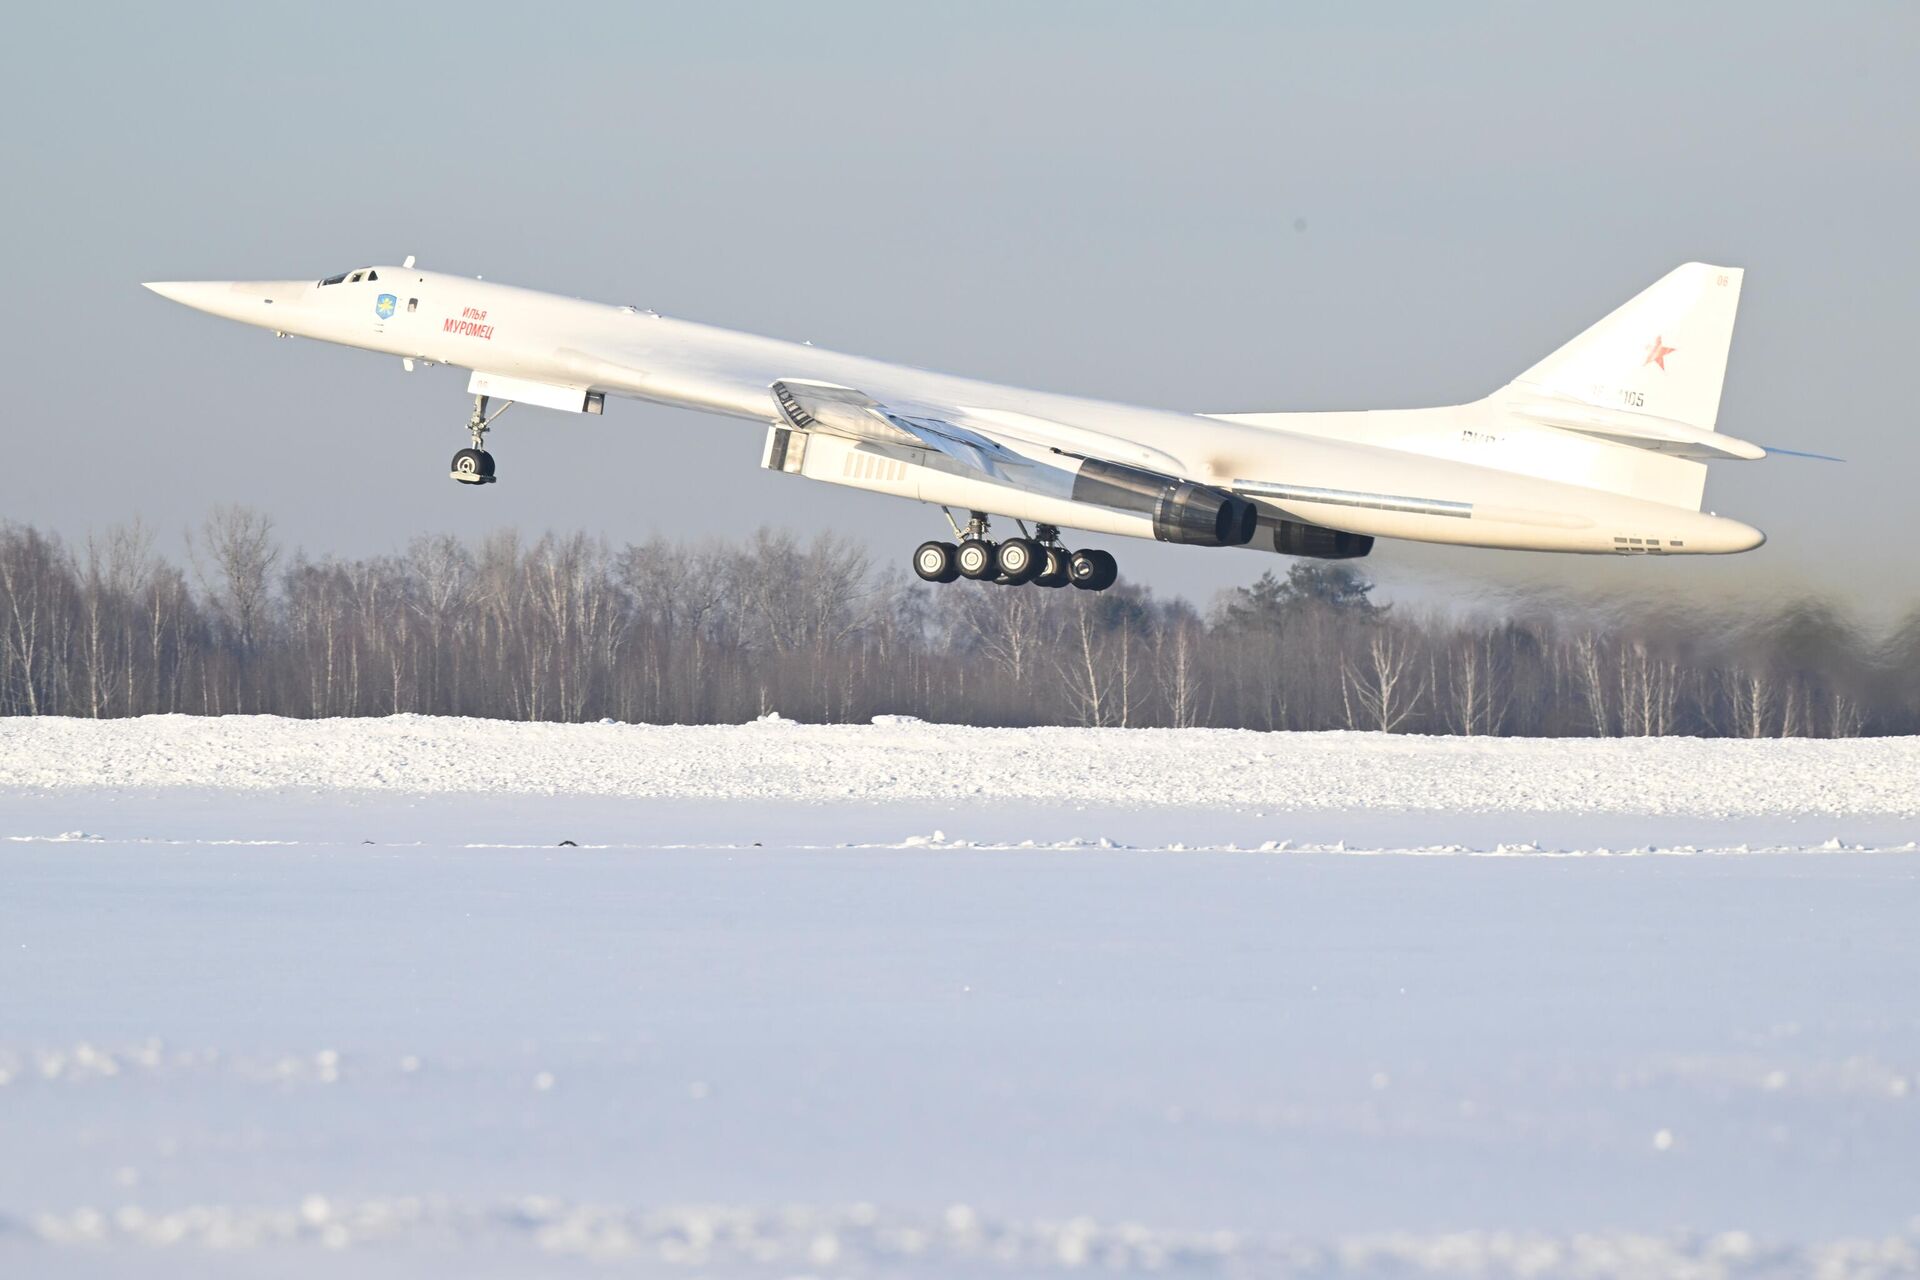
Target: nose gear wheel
474 465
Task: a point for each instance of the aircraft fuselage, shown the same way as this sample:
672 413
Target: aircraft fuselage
1476 475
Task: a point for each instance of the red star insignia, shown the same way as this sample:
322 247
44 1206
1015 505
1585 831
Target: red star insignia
1657 354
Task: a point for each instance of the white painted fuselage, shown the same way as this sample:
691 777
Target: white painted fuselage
1502 472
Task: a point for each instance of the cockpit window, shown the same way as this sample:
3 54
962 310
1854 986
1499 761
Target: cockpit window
333 279
363 274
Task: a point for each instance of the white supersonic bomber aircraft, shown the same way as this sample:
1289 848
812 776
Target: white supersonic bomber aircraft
1599 448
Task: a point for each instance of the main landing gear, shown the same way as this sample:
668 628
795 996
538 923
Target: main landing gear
475 465
1039 560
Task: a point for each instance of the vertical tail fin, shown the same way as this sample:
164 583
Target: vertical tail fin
1663 354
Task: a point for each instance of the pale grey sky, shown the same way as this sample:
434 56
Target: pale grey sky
1234 206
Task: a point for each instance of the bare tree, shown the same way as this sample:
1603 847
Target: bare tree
1009 629
564 629
39 587
441 570
1478 686
1649 691
1588 663
1098 667
234 556
1177 657
1844 717
1752 698
1384 683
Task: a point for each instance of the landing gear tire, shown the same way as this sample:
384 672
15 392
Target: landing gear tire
473 466
1019 560
936 562
1054 572
1093 570
976 560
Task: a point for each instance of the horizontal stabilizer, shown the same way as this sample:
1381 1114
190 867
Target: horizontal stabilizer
1640 430
1795 453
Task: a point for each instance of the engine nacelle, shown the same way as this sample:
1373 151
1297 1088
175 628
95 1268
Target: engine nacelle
1291 538
1182 511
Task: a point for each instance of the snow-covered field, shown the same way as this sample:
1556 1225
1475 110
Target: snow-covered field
332 998
899 758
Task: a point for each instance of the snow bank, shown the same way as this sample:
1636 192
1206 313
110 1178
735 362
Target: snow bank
902 759
538 1232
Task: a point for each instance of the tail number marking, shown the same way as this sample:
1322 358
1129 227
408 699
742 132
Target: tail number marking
1631 399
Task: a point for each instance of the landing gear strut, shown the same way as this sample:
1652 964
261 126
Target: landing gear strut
474 465
1041 559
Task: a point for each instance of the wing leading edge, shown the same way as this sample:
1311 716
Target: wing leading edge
811 406
1175 509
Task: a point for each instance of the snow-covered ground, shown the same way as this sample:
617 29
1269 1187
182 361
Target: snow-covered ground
904 759
303 999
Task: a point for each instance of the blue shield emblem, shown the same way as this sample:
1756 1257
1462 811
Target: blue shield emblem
384 305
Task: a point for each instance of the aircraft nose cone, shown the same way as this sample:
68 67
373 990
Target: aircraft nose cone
249 301
216 296
174 290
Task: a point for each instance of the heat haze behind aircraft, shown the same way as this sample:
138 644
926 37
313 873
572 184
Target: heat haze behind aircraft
1599 448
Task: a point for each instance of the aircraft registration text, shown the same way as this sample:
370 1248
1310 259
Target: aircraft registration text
470 323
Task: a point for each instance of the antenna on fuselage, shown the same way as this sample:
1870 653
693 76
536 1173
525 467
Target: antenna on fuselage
408 264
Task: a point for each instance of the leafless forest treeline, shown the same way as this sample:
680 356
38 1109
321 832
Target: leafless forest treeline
567 628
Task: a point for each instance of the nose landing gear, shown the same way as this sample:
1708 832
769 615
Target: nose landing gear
474 465
1040 560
